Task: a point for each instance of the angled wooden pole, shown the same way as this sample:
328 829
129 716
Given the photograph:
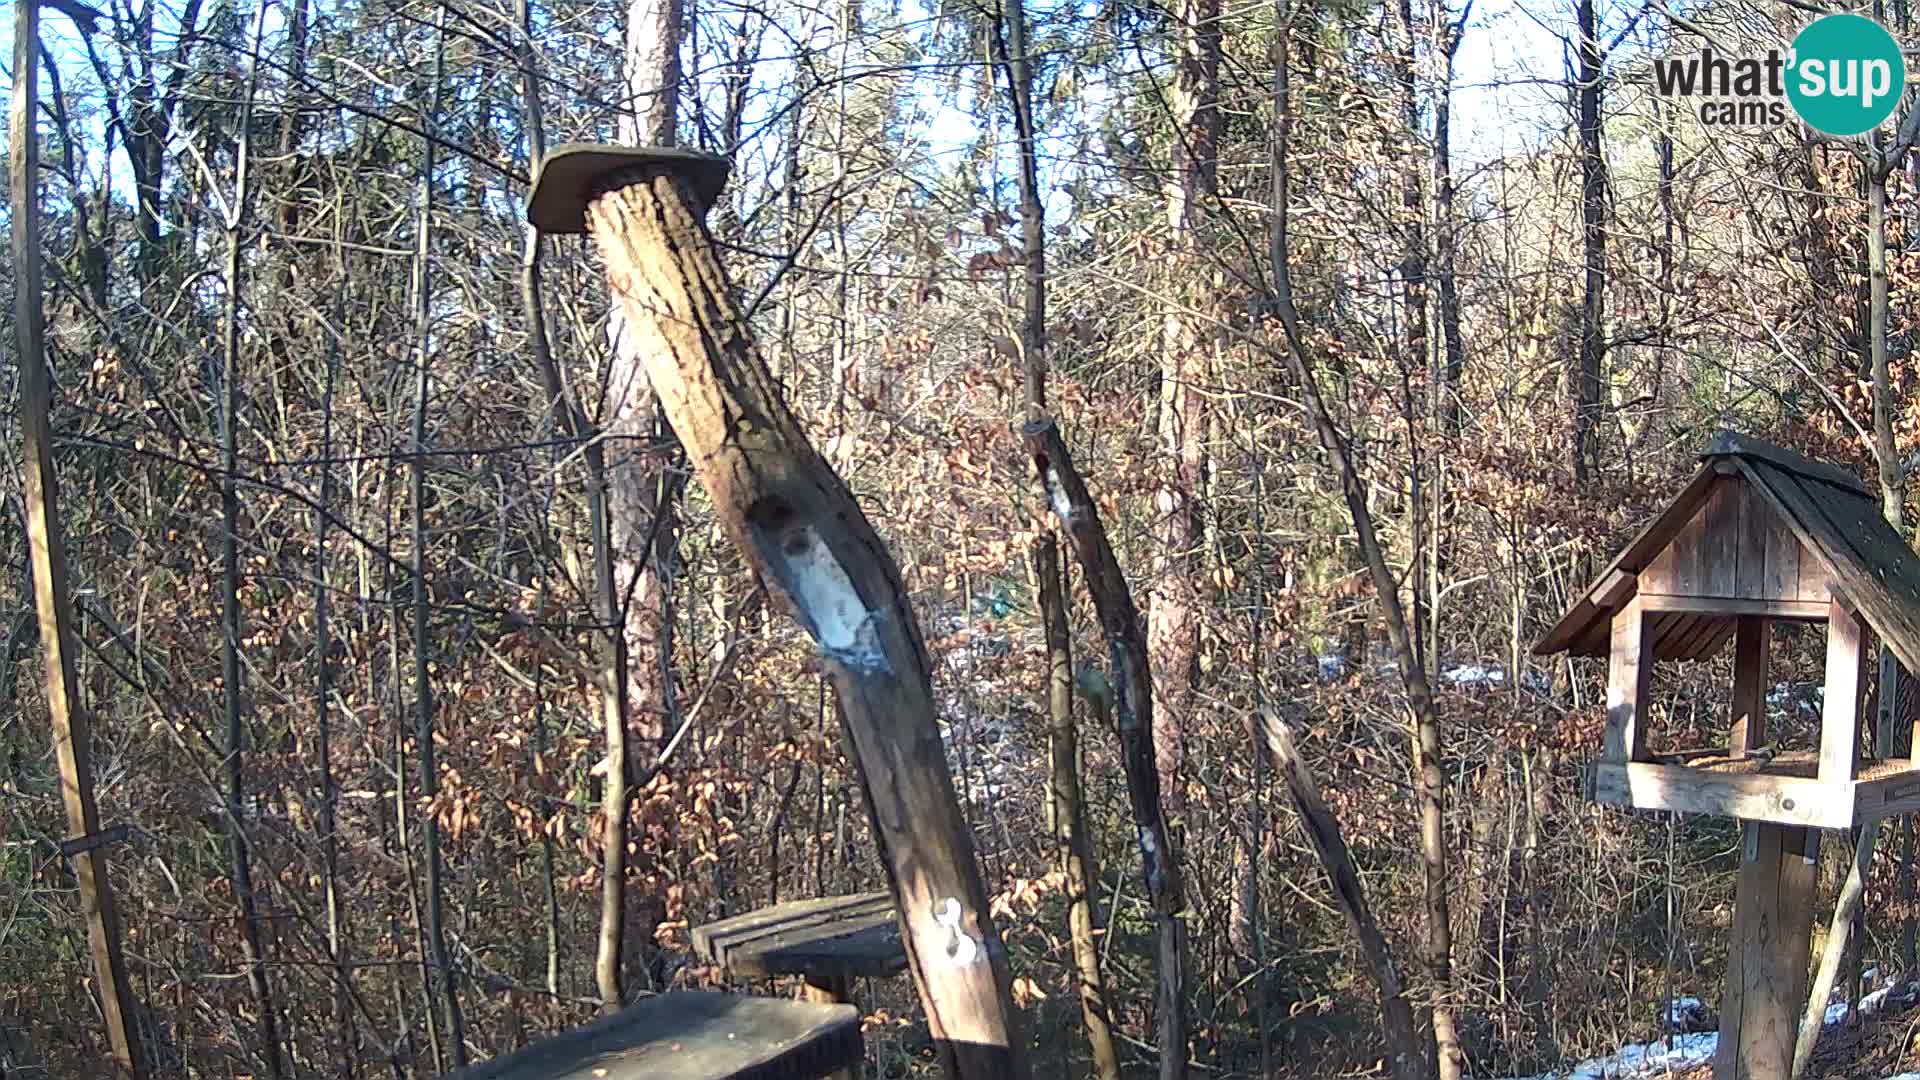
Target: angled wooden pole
47 553
808 539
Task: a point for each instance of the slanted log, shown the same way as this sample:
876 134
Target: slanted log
1133 700
807 538
1330 844
47 558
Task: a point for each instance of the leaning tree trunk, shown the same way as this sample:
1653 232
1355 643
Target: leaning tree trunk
47 555
1330 844
1133 692
1066 806
809 540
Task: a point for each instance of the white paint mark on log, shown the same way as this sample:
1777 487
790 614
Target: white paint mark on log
840 622
962 949
1057 495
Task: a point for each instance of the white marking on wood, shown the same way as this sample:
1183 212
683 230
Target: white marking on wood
842 625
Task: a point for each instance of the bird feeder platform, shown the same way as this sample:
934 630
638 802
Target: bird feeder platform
828 942
690 1035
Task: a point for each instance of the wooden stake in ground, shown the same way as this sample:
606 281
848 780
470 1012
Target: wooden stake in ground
800 527
47 553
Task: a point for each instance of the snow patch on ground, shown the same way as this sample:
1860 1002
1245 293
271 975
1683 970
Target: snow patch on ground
1643 1059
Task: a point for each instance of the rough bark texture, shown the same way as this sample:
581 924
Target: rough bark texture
800 527
636 540
47 556
1173 606
1133 700
1407 1057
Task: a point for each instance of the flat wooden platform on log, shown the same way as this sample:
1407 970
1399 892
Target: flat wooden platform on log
835 937
688 1035
1783 789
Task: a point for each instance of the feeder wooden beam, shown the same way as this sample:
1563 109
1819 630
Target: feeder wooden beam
807 538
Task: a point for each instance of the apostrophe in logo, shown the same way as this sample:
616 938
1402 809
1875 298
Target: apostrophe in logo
1845 74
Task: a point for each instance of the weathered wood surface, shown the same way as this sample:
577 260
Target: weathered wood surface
1867 562
1840 707
833 937
811 543
1768 953
1736 546
1629 667
688 1035
1748 730
1755 795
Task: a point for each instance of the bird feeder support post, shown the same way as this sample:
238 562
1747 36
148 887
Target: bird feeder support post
807 538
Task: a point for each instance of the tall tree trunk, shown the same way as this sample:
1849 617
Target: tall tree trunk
1173 605
641 513
47 556
1593 237
564 419
233 678
1066 807
327 791
1453 360
446 983
1423 715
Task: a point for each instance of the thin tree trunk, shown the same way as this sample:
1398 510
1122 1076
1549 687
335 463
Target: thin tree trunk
48 558
563 418
1066 807
1423 715
445 979
1404 1045
1593 233
328 793
1132 687
232 675
1846 913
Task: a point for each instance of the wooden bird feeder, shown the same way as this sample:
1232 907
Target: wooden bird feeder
1759 535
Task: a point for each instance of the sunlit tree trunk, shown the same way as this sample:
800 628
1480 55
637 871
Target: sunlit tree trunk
1174 601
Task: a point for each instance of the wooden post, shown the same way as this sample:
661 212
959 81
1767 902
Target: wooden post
830 990
1629 666
1840 714
1750 642
48 558
1767 956
806 536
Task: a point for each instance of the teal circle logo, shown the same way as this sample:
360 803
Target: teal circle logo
1845 74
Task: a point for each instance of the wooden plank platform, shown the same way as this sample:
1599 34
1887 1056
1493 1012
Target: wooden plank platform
1784 790
835 937
689 1035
